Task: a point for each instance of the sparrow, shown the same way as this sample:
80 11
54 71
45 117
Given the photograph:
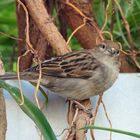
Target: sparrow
79 74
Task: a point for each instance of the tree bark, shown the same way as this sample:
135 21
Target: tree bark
38 41
45 24
86 35
3 121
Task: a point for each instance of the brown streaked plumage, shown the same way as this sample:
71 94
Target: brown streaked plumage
79 74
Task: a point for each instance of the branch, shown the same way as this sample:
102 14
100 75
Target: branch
41 17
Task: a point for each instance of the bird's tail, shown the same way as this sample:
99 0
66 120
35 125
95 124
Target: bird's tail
9 76
23 76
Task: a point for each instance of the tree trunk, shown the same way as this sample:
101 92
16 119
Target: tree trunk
3 121
38 41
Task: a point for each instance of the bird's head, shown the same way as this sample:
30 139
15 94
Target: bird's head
108 50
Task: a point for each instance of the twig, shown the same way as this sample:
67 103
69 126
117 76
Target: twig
75 116
78 11
132 54
106 32
9 36
14 38
136 62
85 18
19 82
62 132
18 76
112 17
78 28
106 16
107 118
92 121
38 84
70 131
126 25
27 26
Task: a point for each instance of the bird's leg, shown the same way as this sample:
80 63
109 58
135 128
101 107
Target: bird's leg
82 107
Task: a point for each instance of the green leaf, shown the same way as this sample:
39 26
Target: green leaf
42 91
32 111
112 130
3 2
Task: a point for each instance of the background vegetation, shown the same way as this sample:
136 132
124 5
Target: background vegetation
8 25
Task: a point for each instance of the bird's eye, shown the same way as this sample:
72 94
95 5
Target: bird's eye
117 52
103 46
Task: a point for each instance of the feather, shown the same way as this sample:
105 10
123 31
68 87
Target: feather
79 64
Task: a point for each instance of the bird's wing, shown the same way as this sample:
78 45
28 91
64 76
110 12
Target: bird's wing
79 64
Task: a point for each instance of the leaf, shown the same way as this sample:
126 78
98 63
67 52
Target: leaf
42 91
7 2
112 130
32 111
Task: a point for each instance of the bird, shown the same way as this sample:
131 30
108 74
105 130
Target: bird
77 75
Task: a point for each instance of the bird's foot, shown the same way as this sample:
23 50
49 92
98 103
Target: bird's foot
82 107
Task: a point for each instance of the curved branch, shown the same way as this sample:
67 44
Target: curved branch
44 22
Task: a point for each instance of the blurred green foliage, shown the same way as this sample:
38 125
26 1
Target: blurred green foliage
131 8
8 25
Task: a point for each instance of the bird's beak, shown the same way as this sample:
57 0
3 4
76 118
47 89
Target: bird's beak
111 50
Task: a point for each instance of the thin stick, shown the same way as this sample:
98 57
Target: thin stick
9 36
85 17
106 32
107 118
126 24
38 84
133 55
75 116
92 122
136 62
19 82
78 11
106 16
78 28
73 121
27 26
18 76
